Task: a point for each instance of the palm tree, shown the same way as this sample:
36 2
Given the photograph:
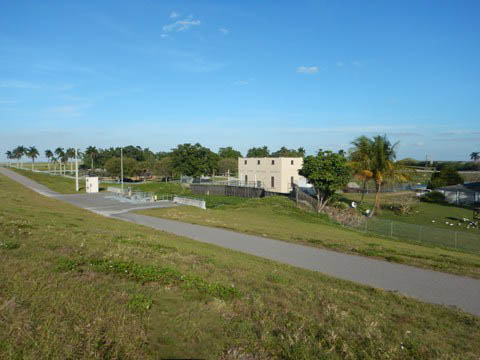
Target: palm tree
71 155
92 153
383 166
60 155
360 161
9 156
54 161
65 161
19 151
48 155
475 156
32 153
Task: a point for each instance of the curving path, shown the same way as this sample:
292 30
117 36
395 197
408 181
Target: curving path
430 286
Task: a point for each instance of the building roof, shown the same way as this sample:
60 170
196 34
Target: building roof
468 187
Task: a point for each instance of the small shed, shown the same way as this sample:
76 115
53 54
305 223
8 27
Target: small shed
462 194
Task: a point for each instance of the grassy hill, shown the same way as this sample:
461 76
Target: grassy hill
77 285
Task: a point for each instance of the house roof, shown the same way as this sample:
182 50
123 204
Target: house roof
468 187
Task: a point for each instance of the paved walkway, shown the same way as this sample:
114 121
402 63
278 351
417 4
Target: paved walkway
430 286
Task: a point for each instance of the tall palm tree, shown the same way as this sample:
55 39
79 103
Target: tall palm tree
383 166
360 161
19 152
48 155
9 156
92 153
60 155
70 155
475 156
54 161
32 153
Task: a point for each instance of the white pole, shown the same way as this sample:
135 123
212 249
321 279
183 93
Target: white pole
76 170
121 166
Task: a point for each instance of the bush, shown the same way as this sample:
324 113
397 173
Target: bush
433 197
436 183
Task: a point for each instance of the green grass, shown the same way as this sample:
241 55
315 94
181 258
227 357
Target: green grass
60 184
423 213
81 286
279 218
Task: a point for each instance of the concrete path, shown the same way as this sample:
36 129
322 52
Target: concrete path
430 286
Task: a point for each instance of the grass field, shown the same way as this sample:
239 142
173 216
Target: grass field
423 212
77 285
277 217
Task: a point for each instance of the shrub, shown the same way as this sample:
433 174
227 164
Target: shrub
433 197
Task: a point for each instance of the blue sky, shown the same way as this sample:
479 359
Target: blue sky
315 74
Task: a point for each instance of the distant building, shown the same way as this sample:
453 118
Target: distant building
272 174
462 194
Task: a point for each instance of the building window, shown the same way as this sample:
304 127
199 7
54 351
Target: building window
258 162
273 162
273 182
246 178
245 162
291 162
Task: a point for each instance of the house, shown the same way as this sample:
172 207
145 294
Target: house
465 194
273 174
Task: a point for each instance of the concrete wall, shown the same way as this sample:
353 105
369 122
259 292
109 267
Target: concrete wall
283 170
192 202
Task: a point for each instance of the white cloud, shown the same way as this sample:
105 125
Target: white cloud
307 69
340 63
68 111
17 84
241 82
174 15
8 102
357 63
223 31
164 36
181 25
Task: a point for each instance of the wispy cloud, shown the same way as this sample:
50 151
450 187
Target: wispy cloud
112 26
174 15
8 102
241 82
68 111
181 25
192 62
18 84
357 63
224 31
340 64
307 69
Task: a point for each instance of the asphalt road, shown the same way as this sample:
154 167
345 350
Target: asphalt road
430 286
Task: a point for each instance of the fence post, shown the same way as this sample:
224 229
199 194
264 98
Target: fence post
391 229
456 236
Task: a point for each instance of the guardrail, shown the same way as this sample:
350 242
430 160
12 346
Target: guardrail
189 201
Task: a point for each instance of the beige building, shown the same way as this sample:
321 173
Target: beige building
273 174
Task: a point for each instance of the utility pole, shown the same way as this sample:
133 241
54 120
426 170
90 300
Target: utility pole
121 166
76 170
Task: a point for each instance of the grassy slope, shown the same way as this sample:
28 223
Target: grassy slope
60 184
278 218
77 285
424 213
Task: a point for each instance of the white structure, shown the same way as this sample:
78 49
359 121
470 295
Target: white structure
91 184
273 174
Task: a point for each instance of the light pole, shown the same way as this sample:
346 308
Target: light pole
76 170
121 166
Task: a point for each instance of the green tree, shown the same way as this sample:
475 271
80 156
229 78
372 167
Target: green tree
258 152
60 156
131 167
32 153
447 176
9 156
228 165
284 152
327 172
361 161
475 156
92 153
229 153
383 166
164 167
49 156
194 160
18 153
70 153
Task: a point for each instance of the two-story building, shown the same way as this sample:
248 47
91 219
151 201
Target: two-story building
273 174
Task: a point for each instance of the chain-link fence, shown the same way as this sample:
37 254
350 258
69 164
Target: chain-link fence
422 234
